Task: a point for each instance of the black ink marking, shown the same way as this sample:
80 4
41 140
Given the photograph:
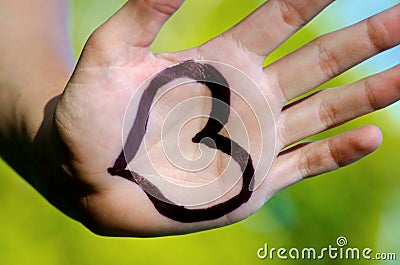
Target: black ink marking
220 92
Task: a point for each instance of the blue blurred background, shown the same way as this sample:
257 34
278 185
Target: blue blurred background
360 202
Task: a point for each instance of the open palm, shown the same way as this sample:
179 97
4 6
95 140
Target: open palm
94 116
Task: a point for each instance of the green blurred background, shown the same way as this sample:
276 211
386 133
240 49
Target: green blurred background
360 202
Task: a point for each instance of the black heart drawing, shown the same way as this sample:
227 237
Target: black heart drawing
220 92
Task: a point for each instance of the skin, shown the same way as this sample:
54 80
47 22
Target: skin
209 135
61 125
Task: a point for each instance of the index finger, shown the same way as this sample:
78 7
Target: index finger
272 23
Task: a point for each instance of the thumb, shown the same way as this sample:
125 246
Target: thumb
138 22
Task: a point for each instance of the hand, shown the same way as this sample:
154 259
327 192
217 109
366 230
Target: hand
90 115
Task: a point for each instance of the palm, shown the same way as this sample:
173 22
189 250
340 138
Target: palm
106 91
92 113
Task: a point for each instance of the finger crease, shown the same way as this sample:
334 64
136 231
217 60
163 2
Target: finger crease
162 7
291 14
283 139
304 165
334 155
328 62
285 97
327 114
370 96
377 34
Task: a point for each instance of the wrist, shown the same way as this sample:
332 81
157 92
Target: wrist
26 115
38 156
